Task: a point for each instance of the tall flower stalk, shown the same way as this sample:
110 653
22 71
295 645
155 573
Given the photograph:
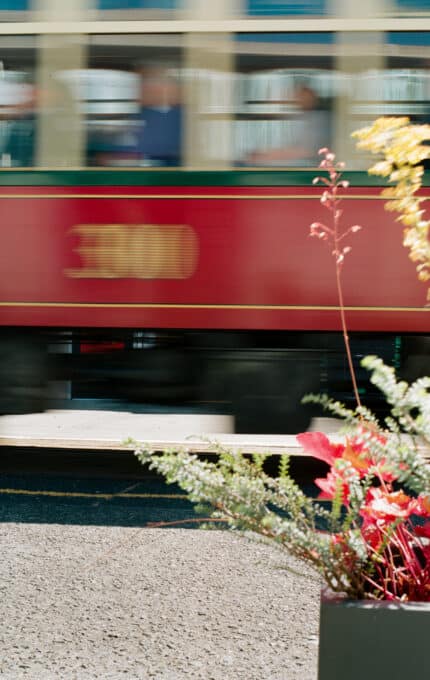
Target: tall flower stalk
335 237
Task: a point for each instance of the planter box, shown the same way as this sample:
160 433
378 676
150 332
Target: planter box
366 640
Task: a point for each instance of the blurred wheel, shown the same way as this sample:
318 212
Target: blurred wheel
23 375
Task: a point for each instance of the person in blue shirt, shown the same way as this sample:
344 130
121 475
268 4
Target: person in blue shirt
159 121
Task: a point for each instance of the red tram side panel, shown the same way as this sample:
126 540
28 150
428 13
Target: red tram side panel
200 257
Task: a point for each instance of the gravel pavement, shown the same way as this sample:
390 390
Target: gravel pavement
171 604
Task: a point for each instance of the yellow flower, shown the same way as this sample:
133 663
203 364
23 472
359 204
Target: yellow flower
401 145
383 168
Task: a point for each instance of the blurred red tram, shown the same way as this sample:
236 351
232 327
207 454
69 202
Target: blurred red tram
200 290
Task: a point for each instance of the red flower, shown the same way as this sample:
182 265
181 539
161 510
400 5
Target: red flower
330 486
422 506
354 453
423 530
381 505
371 533
318 445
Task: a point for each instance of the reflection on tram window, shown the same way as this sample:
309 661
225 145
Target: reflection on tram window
413 5
28 103
406 86
137 4
133 103
286 7
14 5
287 89
107 100
393 79
17 110
18 137
15 10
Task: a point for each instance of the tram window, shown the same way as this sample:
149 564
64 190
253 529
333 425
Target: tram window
137 4
265 8
398 83
133 100
7 6
406 86
17 100
135 9
413 5
287 84
39 123
384 75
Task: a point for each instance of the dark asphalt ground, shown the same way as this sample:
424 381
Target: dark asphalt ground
85 489
93 488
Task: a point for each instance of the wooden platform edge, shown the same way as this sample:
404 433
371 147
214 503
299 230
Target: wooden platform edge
233 442
195 446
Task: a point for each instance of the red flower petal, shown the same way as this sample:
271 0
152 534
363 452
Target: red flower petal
422 530
318 445
354 454
422 506
330 487
388 506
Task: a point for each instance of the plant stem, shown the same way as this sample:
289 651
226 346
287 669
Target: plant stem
338 255
346 337
192 520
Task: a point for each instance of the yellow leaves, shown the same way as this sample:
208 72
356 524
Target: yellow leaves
409 219
401 145
399 142
374 135
384 168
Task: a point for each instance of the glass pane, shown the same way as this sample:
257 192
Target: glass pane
400 85
285 8
137 4
284 98
131 96
15 10
129 9
406 88
14 5
413 5
386 75
17 101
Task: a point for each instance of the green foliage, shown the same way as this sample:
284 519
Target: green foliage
284 466
235 491
336 506
258 460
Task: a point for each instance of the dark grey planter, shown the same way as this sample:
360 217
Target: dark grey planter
366 640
